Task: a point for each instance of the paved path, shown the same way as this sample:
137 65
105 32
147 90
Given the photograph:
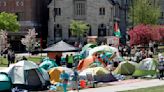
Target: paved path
126 86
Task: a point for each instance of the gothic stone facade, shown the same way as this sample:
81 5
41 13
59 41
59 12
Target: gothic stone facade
97 13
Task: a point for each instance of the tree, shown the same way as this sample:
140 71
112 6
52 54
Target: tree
143 34
78 28
8 22
30 40
3 40
144 12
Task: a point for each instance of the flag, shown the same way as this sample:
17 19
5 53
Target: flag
117 32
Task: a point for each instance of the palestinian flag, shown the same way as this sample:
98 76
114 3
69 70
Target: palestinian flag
117 32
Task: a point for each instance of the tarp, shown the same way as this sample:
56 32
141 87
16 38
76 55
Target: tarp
146 67
48 64
126 68
61 47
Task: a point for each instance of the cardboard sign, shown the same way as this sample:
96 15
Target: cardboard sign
113 40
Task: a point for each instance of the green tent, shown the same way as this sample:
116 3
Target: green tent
126 68
5 82
146 67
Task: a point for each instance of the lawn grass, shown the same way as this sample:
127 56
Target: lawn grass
150 89
4 62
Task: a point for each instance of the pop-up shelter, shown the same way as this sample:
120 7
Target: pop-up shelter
58 48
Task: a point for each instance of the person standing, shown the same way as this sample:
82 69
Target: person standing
64 78
12 57
9 56
70 61
66 60
75 80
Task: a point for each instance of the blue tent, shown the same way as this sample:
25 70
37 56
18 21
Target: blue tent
48 64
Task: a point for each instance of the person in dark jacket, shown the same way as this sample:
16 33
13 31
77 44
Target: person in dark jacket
9 56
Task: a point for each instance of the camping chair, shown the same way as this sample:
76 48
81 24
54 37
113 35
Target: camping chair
91 80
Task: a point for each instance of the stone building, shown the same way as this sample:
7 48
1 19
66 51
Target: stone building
161 19
29 14
99 14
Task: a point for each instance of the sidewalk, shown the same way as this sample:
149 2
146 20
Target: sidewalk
126 86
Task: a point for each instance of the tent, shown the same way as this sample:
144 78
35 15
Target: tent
5 82
86 49
99 74
26 74
48 64
61 47
89 45
105 78
94 71
55 73
126 68
146 67
103 48
85 63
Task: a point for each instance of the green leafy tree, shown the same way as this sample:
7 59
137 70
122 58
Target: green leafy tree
78 28
144 12
8 22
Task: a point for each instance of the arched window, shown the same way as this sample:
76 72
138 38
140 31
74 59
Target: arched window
57 30
101 30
